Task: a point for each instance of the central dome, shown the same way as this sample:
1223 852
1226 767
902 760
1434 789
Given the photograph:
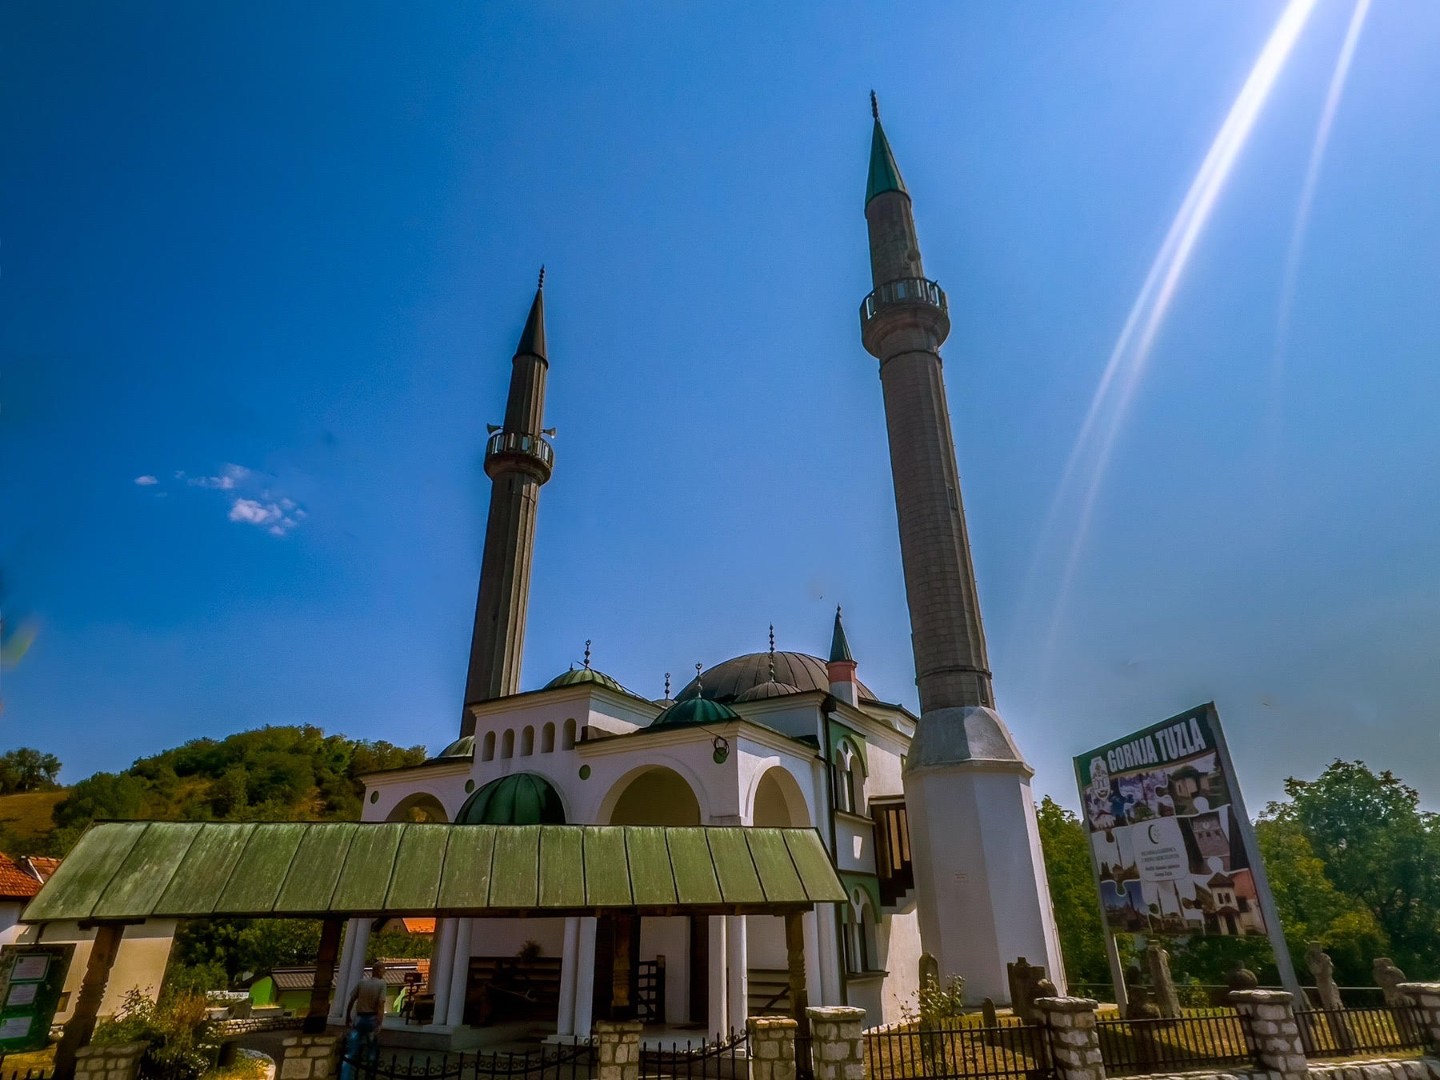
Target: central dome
725 682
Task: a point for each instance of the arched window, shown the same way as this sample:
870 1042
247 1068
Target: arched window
567 738
507 745
527 741
487 747
547 738
859 934
849 780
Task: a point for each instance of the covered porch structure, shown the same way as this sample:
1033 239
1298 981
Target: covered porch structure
124 873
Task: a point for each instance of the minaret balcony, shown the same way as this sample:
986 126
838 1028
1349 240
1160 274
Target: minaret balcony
918 302
519 450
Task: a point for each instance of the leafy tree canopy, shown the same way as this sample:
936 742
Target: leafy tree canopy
27 769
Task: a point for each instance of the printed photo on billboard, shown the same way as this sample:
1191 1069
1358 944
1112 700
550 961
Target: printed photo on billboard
1165 834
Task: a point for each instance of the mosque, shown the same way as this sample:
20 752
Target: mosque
929 820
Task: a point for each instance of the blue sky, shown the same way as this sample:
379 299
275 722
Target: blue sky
277 257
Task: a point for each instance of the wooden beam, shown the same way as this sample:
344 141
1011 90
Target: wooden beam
795 958
316 1018
81 1025
622 1003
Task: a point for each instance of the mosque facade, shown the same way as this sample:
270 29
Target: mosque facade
929 820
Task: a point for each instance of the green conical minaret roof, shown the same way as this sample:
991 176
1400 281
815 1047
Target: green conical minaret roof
884 173
839 645
532 338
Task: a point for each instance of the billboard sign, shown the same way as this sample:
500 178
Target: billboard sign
1168 833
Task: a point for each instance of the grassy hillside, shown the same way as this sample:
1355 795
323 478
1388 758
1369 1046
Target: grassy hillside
26 821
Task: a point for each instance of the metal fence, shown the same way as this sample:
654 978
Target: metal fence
1340 1032
959 1052
1133 1047
724 1058
567 1061
25 1072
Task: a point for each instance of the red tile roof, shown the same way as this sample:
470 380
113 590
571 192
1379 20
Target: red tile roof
42 866
15 883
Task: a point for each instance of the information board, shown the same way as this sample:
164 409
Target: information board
1168 832
32 978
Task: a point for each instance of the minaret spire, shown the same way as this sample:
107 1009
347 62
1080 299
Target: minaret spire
518 460
981 892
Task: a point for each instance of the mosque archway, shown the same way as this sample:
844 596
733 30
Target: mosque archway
421 806
779 802
653 795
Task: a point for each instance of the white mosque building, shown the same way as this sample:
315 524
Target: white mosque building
929 820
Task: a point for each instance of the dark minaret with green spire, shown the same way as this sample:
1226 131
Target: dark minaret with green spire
981 895
518 460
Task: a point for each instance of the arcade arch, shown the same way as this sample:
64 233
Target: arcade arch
421 806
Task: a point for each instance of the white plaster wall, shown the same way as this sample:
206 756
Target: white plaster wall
506 937
10 928
897 940
978 865
670 938
854 844
139 964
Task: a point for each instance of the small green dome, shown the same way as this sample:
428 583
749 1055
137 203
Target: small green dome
518 799
695 712
579 676
463 747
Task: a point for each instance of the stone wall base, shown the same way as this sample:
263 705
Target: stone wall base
1418 1068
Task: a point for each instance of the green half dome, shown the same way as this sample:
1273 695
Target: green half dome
695 712
463 747
518 799
580 676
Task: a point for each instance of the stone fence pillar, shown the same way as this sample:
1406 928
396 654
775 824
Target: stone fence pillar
1074 1039
309 1057
108 1062
1271 1031
772 1047
837 1043
1426 998
617 1049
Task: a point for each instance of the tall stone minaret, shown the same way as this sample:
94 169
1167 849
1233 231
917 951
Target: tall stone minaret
518 459
982 897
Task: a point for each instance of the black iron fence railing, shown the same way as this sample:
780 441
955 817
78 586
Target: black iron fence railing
12 1071
1340 1032
903 291
724 1058
1201 995
567 1061
959 1052
1133 1047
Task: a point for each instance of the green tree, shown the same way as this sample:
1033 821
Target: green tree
1377 847
1072 892
28 769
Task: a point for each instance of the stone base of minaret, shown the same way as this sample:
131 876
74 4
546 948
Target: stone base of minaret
981 891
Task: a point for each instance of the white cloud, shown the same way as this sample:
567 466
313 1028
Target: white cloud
146 481
267 515
225 481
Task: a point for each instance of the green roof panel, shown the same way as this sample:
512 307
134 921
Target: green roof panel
255 882
730 855
515 873
694 866
607 871
561 851
310 885
369 866
465 880
884 173
415 885
651 872
152 862
778 876
82 881
814 867
208 864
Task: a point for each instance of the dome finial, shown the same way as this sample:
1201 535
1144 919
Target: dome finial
874 111
541 283
699 686
667 686
772 652
587 654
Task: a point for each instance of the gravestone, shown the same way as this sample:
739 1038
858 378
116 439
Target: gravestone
929 970
987 1013
1158 961
1025 978
1323 970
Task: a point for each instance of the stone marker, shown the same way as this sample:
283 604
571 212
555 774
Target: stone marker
987 1013
1157 959
1323 969
1024 978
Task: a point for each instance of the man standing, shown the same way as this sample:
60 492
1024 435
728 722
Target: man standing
367 1003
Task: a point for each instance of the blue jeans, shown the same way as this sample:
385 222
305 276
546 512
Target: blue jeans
362 1047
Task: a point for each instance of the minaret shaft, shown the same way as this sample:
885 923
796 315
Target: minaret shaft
905 333
518 459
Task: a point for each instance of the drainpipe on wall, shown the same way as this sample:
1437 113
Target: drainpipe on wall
827 706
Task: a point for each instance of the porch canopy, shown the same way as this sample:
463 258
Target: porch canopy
128 871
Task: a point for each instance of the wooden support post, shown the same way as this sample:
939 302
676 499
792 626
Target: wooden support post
317 1017
81 1024
795 960
622 1002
